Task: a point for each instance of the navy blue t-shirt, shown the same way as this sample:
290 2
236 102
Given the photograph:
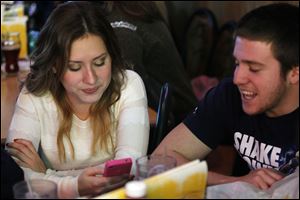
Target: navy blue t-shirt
260 140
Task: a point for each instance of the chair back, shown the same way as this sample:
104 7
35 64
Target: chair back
222 60
200 36
163 113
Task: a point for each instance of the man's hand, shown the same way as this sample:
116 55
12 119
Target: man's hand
262 178
26 155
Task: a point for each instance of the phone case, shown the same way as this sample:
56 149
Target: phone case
117 167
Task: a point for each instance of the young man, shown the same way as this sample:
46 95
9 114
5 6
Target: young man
259 109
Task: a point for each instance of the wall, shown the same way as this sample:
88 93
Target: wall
178 13
234 10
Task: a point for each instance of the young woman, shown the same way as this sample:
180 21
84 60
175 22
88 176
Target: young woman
79 107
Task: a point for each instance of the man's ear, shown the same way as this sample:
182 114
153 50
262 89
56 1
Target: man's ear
294 75
54 70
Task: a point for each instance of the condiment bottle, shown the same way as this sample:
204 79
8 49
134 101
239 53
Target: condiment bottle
136 190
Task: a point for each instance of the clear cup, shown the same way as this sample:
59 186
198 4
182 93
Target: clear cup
151 165
40 189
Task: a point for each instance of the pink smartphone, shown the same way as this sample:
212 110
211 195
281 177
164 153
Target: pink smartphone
117 167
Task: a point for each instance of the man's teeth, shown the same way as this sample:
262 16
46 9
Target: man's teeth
248 95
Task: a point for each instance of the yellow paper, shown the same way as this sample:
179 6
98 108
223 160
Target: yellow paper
185 181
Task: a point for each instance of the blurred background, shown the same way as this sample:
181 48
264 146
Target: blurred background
202 32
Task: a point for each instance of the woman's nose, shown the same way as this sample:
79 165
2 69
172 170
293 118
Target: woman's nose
90 76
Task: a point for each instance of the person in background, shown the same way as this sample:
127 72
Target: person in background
79 106
258 110
147 45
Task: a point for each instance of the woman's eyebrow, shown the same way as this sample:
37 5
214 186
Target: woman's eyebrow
100 56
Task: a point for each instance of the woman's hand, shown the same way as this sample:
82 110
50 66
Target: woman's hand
91 182
26 155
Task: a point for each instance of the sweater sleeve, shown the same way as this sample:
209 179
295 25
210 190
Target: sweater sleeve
133 125
67 186
26 125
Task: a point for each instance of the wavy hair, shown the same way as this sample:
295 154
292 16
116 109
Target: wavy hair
67 23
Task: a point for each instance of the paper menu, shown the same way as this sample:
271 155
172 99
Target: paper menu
186 181
286 188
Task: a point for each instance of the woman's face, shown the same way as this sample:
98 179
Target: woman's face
89 71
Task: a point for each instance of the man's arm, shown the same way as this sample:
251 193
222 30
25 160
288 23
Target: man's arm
183 145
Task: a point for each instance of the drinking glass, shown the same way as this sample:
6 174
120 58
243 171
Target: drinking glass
151 165
10 46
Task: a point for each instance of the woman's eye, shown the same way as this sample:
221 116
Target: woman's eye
74 67
98 64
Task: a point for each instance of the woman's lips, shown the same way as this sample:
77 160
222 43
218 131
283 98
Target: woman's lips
90 90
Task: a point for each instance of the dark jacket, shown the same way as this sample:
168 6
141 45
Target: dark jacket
151 52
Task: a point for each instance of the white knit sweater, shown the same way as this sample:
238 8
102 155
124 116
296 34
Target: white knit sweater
36 119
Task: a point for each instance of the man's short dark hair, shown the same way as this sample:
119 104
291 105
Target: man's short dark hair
277 24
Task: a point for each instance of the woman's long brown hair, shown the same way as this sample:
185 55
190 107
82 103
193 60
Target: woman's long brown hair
67 23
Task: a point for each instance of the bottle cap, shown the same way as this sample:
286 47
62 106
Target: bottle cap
135 189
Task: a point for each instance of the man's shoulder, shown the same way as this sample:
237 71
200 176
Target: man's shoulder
227 87
227 82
